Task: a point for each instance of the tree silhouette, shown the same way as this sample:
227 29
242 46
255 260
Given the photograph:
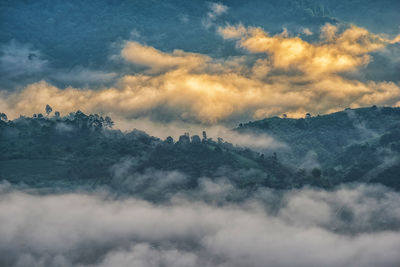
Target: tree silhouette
48 109
3 117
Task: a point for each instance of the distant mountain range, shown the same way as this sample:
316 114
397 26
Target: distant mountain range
354 145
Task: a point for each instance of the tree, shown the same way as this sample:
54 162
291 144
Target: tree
218 150
57 114
169 140
308 115
300 123
3 117
316 173
204 136
48 109
196 139
184 139
108 122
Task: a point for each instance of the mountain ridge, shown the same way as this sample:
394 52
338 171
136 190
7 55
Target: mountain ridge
354 145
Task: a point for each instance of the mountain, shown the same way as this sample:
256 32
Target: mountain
83 150
360 145
354 145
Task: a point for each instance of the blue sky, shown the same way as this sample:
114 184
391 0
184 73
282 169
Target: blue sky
84 55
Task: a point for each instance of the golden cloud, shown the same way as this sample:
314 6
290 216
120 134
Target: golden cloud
335 53
160 61
295 77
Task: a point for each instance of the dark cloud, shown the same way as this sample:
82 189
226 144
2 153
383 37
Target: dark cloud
20 61
81 76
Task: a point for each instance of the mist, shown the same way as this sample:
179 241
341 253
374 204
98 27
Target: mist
354 225
256 141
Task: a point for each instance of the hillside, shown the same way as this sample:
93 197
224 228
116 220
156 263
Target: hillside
83 150
355 145
351 145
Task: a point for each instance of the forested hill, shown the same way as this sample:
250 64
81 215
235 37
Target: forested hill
355 145
82 149
351 145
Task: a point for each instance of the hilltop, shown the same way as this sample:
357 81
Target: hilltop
351 145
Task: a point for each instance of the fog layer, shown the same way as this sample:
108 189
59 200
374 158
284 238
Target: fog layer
350 226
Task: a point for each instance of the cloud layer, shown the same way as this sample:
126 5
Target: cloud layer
280 74
356 226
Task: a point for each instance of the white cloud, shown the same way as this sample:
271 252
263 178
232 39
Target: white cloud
216 10
21 59
356 226
307 31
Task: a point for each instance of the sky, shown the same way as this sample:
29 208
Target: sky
208 63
